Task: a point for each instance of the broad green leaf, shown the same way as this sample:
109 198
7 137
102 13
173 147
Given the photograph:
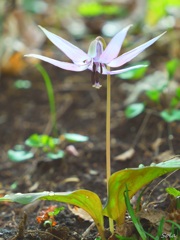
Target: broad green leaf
90 9
56 211
171 67
35 6
19 155
57 155
22 84
173 191
39 141
156 10
170 115
87 200
174 102
135 179
135 73
178 93
73 137
153 95
134 110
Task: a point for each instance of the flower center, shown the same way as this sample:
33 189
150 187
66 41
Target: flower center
95 75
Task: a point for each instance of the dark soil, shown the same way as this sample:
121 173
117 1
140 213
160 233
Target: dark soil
80 109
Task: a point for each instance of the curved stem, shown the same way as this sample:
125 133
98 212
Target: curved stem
50 93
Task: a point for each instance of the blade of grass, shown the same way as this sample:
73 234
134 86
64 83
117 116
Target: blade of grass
124 238
174 223
138 204
151 236
133 217
50 93
160 229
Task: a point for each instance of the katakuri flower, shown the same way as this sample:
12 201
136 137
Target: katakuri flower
97 60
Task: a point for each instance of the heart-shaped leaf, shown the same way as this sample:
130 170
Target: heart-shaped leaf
74 137
170 115
153 95
134 179
171 67
134 73
38 141
57 155
134 110
87 200
19 155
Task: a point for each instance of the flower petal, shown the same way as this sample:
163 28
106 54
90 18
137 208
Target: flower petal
114 46
63 65
105 71
95 49
126 57
73 52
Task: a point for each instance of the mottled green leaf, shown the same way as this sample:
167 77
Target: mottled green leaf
135 179
84 199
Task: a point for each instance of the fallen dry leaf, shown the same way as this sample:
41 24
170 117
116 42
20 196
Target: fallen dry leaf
80 212
164 156
14 65
71 179
154 217
20 34
157 143
125 155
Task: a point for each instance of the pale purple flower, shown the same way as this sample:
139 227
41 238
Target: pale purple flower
97 59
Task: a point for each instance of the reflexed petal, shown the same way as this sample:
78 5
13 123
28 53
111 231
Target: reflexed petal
63 65
126 57
73 52
105 71
114 46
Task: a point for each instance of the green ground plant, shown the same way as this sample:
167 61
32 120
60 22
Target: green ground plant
121 185
50 147
166 100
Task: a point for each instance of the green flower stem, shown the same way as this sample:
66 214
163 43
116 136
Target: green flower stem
50 93
108 140
108 126
108 132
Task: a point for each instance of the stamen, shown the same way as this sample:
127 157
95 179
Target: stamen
97 85
101 68
94 77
